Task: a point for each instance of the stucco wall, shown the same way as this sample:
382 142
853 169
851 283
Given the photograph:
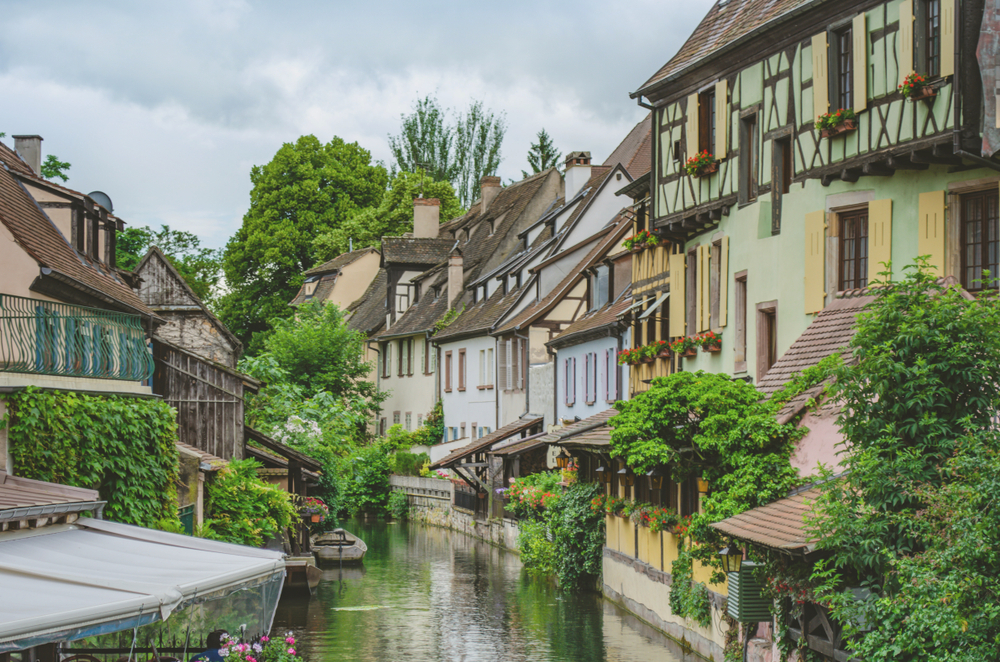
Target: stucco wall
19 269
411 393
580 407
540 392
195 332
353 280
474 404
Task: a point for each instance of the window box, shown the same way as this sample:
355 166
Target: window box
663 353
712 348
923 93
706 170
844 127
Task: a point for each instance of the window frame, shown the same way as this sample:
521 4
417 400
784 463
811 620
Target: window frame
841 77
767 337
462 366
987 196
740 345
706 121
859 279
749 175
927 39
447 371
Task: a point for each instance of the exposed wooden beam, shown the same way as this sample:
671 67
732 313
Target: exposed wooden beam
877 169
850 174
904 163
928 156
715 214
825 180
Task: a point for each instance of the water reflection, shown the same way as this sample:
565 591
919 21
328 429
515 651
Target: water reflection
431 594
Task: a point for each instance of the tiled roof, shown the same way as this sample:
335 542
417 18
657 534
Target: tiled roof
415 250
591 431
327 273
724 25
421 316
340 261
528 444
369 311
481 317
14 161
606 316
17 492
483 443
43 241
635 152
779 525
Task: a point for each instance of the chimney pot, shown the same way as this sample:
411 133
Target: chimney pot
29 148
577 172
455 275
426 217
489 187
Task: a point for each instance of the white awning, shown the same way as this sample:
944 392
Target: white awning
656 304
65 582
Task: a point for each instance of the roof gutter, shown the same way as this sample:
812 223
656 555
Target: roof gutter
48 510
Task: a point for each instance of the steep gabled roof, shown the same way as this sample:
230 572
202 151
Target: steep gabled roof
339 262
422 315
369 311
634 153
480 318
593 322
415 250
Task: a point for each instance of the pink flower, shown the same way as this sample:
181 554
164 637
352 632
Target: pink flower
289 640
291 651
265 638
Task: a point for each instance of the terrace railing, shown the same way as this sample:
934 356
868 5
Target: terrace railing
49 338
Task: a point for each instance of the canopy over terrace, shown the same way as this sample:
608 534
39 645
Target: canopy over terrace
470 463
779 525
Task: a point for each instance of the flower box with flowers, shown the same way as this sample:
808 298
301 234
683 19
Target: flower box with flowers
710 343
914 87
640 240
701 165
315 510
685 347
836 123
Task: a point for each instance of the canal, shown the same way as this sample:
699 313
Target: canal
430 594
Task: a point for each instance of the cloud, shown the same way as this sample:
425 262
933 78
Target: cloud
166 106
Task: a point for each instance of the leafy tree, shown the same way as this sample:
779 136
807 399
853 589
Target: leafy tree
200 267
365 476
393 216
53 167
542 155
460 153
245 510
307 189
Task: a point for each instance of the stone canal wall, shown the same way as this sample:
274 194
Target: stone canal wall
432 502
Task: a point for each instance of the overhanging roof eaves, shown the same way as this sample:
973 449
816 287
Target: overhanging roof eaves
779 525
281 449
483 444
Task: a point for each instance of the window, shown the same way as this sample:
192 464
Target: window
749 158
399 359
691 300
706 121
472 430
741 322
310 286
420 420
461 369
841 63
409 356
489 368
395 418
462 426
600 281
482 368
927 45
767 337
381 427
569 379
678 155
512 364
409 421
781 178
979 227
591 376
853 249
447 372
386 360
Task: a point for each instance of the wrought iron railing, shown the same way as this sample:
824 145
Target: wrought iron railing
49 338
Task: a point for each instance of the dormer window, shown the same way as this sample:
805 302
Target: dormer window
599 282
310 286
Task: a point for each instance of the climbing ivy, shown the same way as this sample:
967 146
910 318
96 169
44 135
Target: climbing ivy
121 446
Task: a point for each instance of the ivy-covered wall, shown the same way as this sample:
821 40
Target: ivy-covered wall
123 447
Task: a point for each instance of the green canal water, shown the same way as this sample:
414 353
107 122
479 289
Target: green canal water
431 594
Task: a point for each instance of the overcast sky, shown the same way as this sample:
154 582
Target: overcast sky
165 106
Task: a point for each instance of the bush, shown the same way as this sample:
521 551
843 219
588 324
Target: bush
578 534
410 464
538 554
531 495
399 505
365 479
241 508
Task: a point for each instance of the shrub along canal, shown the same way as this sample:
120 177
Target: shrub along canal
427 593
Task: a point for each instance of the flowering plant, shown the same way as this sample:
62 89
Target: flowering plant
831 120
656 518
695 164
266 649
641 238
708 340
682 526
682 345
912 84
315 506
569 474
640 354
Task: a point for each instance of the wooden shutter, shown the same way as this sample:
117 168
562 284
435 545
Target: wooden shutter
905 55
721 119
859 35
509 365
814 255
821 76
704 312
502 361
520 364
723 281
590 364
947 37
931 227
566 382
678 287
879 236
692 126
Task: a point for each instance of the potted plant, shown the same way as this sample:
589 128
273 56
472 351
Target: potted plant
648 353
834 124
701 165
662 348
315 509
628 356
710 342
915 87
685 347
640 240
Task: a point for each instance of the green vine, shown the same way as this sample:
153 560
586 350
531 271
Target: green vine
688 598
123 447
448 318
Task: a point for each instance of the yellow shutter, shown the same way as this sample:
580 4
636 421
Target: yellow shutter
905 57
721 119
821 72
879 237
692 126
704 291
723 280
931 226
859 35
947 37
678 286
814 268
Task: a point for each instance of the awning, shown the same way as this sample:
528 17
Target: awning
69 581
779 525
486 442
656 304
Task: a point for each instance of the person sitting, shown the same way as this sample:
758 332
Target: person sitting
213 643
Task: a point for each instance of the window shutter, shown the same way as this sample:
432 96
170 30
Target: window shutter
721 119
520 364
859 35
815 272
692 126
574 380
947 37
723 281
502 373
931 227
678 287
905 55
508 365
704 291
821 75
607 375
879 236
586 379
566 382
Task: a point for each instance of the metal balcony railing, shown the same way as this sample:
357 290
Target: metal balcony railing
49 338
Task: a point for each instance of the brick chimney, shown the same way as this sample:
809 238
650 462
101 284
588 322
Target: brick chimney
426 217
455 275
29 148
489 188
577 172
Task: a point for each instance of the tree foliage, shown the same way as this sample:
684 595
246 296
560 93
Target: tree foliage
307 189
200 267
52 168
459 152
241 508
542 155
392 217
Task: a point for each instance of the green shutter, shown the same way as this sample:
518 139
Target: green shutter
747 603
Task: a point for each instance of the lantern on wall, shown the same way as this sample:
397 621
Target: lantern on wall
603 474
731 556
626 477
702 485
562 460
655 478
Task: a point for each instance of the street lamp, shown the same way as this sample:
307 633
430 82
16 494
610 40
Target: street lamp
732 557
562 460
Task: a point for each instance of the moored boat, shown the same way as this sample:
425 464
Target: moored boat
338 546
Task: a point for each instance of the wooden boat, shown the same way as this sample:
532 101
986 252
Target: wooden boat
302 573
338 546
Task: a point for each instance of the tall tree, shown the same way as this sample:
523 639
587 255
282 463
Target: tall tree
460 153
307 189
200 267
393 216
542 155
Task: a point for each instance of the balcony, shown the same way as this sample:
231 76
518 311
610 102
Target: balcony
62 340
